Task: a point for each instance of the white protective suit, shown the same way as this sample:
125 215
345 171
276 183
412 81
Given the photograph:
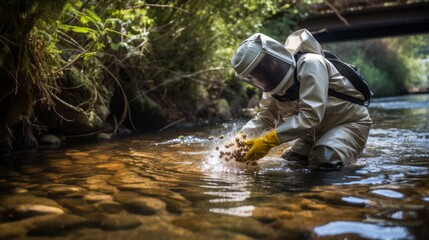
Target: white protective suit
326 129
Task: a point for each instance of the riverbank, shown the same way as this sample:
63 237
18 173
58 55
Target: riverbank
53 133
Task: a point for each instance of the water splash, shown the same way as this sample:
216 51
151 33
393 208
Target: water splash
213 163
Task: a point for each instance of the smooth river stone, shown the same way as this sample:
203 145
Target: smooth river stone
248 228
96 197
29 210
108 206
135 203
38 209
76 205
123 196
98 179
67 191
175 206
99 183
111 166
57 226
104 188
75 153
104 136
20 190
114 222
50 140
26 198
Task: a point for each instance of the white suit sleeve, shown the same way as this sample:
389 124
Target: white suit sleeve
313 96
265 120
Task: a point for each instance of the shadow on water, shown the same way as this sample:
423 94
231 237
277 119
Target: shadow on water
171 185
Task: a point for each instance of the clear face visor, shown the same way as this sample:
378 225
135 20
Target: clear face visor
269 72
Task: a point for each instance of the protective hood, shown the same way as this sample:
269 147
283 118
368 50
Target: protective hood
264 63
304 42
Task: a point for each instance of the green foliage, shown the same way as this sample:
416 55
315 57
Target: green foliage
378 80
23 65
164 50
154 54
408 48
285 22
389 65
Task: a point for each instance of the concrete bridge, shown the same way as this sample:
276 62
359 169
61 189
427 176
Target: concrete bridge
401 19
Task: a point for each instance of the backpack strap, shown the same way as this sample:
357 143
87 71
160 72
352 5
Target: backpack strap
292 93
345 97
352 74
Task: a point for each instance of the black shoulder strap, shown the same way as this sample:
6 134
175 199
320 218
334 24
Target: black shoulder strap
352 74
345 97
292 93
297 56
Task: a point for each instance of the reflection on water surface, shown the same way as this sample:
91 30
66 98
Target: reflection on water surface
162 186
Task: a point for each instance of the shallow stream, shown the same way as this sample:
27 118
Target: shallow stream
171 185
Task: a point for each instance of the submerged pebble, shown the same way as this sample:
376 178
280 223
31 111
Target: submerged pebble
76 205
108 206
56 226
144 205
30 210
66 191
19 190
50 140
115 222
39 209
95 197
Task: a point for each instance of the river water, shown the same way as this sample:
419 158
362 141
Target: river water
171 185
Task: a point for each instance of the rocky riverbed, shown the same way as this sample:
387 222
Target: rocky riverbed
167 186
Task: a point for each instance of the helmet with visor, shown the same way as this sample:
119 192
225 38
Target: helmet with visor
264 63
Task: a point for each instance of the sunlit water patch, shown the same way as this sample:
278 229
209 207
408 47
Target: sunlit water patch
365 230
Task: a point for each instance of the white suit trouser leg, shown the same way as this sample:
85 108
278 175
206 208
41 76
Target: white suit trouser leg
335 148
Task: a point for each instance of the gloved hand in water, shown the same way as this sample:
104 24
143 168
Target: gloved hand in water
260 146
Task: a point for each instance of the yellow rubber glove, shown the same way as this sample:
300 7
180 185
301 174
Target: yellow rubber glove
260 146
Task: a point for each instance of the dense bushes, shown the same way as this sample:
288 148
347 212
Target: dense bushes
24 70
77 64
389 65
